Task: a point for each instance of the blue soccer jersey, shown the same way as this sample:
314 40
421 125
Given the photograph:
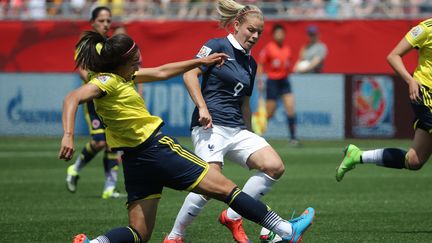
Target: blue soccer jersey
224 87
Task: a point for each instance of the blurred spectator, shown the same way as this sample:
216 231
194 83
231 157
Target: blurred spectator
37 9
313 53
116 6
54 7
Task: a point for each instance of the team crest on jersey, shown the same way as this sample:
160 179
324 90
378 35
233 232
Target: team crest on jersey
103 79
205 51
416 32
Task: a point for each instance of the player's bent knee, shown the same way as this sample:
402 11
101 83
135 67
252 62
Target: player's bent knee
274 170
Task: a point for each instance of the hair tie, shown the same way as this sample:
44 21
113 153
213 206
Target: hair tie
99 47
129 50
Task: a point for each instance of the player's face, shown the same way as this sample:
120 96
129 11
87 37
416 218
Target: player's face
133 65
249 32
279 35
102 23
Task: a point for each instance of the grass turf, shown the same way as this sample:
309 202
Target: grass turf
371 204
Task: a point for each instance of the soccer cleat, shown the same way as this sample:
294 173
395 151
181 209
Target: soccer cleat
300 225
268 236
81 238
72 179
235 226
112 193
351 158
295 143
177 239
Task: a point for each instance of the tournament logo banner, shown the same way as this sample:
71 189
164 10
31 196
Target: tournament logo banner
373 106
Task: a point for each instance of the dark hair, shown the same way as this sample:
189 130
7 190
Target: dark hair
278 27
97 10
99 54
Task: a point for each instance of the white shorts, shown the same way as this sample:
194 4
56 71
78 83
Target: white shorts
237 144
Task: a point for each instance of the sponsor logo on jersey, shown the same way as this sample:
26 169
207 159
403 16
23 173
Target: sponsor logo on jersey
205 51
103 79
416 32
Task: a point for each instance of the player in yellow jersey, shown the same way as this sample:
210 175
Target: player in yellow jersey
419 86
152 160
101 23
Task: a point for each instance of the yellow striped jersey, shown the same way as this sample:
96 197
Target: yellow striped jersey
420 37
123 111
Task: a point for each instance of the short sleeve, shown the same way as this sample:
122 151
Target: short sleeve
210 47
418 35
105 82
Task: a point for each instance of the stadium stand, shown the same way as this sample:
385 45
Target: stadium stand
204 9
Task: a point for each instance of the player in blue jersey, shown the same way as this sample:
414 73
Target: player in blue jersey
152 160
101 23
221 121
420 92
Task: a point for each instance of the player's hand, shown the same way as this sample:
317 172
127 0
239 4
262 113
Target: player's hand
67 147
215 58
205 118
414 91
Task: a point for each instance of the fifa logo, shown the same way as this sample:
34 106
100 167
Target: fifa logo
211 147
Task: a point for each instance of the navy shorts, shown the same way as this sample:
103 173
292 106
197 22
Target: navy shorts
422 110
94 123
277 88
160 161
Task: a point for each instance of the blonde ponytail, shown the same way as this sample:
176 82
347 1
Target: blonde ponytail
230 10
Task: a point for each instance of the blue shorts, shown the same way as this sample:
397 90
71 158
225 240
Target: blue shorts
277 88
160 161
94 123
422 110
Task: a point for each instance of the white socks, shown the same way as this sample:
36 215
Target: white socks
192 206
372 156
257 186
283 229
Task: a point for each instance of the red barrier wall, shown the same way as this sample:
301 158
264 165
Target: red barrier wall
356 46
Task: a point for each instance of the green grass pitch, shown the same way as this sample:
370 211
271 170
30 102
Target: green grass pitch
371 204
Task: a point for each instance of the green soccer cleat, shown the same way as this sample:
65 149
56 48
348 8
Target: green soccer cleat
72 179
351 158
112 193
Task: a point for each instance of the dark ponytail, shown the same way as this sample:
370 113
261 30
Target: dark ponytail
99 54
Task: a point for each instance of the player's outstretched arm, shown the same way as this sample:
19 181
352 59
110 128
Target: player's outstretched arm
172 69
70 105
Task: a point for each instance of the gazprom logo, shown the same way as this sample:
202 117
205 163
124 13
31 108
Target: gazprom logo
17 114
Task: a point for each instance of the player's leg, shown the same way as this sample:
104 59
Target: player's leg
111 167
90 150
212 152
142 217
191 208
272 95
414 159
289 104
215 185
253 152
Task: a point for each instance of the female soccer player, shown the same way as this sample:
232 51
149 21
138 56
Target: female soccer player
221 122
151 160
101 23
419 87
275 61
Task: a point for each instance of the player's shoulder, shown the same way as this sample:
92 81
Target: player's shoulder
427 23
104 78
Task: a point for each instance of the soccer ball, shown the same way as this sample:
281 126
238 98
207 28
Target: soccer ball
267 236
